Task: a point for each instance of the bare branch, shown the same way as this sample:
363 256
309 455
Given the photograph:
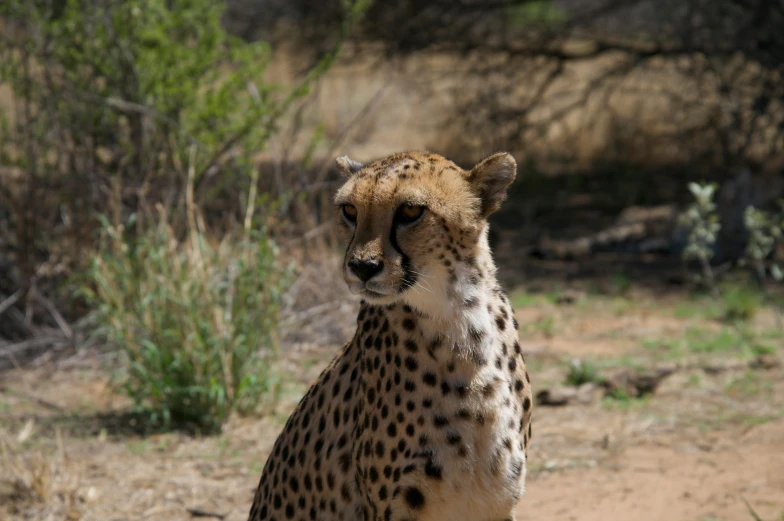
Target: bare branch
10 301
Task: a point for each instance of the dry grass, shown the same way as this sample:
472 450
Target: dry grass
318 307
38 483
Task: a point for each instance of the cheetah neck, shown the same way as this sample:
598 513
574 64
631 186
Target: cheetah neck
461 309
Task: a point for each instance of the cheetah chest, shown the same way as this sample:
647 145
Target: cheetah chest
439 436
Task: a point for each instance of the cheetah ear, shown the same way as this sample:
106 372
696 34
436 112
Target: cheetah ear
491 177
348 166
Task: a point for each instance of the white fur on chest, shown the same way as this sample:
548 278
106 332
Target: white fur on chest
473 489
489 480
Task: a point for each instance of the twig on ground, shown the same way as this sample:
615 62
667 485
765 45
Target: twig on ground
195 512
58 318
31 349
26 345
27 396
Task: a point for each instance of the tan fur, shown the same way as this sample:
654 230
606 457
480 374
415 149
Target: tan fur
425 414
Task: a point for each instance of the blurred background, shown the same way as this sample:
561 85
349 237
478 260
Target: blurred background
170 275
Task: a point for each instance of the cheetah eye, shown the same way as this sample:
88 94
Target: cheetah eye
409 213
349 212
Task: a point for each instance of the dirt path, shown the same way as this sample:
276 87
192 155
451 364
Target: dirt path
653 481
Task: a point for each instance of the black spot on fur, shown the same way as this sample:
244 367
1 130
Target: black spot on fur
500 323
414 498
432 470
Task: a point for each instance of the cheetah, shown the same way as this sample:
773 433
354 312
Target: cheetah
426 413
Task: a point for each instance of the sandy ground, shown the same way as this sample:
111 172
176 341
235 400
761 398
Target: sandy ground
698 449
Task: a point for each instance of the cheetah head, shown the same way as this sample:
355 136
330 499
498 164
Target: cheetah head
416 224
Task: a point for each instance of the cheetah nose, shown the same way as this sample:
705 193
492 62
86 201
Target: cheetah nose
365 269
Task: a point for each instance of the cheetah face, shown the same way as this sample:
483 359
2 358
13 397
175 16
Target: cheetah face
411 220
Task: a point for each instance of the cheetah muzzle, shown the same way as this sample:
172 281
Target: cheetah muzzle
426 413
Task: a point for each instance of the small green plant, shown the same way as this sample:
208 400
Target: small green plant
701 341
752 420
698 307
667 346
703 224
758 349
765 229
542 13
526 300
740 303
544 325
195 319
621 399
582 372
621 284
750 383
137 447
694 380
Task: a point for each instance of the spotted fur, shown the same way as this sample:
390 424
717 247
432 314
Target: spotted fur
426 413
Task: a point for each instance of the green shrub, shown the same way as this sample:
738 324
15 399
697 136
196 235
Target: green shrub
127 106
196 320
127 88
110 103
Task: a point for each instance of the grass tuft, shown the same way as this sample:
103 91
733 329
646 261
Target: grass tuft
582 372
740 304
